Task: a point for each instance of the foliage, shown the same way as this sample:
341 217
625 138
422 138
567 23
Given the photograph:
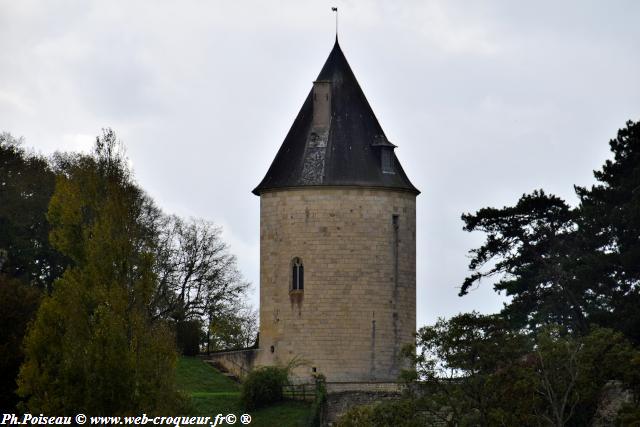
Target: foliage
232 329
569 266
556 357
610 213
630 413
401 413
263 386
361 415
532 247
471 365
484 373
198 279
605 356
18 304
188 336
173 269
197 276
572 372
629 416
94 346
26 185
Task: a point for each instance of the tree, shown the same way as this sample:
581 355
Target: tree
18 304
570 266
556 357
233 330
572 372
610 213
26 185
476 370
197 274
536 253
472 371
199 279
94 346
28 263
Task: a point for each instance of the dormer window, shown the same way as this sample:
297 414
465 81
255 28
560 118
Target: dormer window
386 153
297 269
387 160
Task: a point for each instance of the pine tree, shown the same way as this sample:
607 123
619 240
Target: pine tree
610 213
573 266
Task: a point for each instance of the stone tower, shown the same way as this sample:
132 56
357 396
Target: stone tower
337 240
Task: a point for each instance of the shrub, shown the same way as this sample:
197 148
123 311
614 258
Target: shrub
400 413
357 416
263 386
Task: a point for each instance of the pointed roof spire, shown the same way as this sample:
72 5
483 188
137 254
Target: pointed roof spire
335 9
336 139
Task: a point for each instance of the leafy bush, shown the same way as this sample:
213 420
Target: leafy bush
390 413
357 416
263 386
188 337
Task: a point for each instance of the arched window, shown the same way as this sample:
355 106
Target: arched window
297 282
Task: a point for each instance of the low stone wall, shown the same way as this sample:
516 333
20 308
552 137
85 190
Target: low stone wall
377 387
236 362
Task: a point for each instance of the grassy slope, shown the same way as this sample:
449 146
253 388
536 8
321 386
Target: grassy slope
212 393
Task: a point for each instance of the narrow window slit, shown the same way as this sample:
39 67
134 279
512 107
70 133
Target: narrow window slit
297 282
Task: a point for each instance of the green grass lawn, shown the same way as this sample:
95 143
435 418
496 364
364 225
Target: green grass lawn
212 393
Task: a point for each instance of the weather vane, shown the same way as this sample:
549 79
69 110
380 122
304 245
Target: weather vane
335 9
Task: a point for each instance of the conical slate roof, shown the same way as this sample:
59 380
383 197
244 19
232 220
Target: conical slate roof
348 148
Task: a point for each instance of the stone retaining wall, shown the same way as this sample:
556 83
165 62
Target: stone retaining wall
238 362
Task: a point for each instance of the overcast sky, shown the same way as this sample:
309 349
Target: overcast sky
485 100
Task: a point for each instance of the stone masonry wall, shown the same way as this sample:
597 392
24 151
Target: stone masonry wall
237 362
358 305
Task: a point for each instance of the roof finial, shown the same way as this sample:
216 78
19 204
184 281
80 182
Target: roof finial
335 9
